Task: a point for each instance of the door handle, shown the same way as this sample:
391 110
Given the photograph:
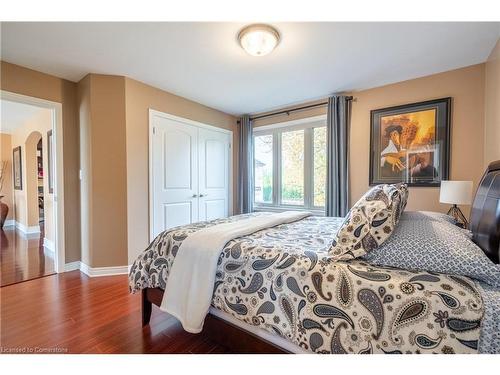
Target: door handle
203 195
195 195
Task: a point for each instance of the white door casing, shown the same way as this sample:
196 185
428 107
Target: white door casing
189 166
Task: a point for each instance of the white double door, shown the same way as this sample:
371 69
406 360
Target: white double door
190 173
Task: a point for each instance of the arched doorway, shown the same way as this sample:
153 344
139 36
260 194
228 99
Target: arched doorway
34 181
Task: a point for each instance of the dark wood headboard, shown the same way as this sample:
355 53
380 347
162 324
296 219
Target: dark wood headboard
485 214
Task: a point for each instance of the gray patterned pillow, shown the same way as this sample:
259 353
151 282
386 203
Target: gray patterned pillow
428 215
370 221
436 245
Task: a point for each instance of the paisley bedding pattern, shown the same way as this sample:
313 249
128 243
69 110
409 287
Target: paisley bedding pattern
282 280
370 222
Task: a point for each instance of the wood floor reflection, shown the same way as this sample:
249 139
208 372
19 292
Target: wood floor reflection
72 313
23 258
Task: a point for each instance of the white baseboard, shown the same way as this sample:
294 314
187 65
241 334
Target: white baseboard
96 271
50 246
9 223
103 271
73 266
26 231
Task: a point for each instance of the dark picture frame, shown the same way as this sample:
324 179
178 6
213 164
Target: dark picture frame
411 143
50 159
17 168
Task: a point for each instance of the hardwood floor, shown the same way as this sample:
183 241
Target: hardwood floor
21 258
72 313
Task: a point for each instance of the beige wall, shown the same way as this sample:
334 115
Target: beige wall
139 99
465 86
20 80
30 181
113 116
492 107
114 125
83 108
101 104
26 200
8 187
109 171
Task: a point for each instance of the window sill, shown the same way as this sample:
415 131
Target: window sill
314 211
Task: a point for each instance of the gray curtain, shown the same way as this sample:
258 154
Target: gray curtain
245 159
337 175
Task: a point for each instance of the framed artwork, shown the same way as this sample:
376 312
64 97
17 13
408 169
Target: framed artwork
50 161
17 168
411 143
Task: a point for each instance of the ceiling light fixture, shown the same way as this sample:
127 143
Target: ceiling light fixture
259 39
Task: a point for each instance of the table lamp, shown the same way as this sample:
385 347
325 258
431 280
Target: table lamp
455 193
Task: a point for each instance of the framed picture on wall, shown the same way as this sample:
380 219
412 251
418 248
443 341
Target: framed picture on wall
411 143
17 168
50 161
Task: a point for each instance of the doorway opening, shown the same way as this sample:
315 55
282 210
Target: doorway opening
39 177
31 234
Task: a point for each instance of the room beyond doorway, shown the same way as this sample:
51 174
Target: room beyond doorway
30 236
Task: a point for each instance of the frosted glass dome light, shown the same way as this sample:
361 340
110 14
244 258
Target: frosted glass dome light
258 39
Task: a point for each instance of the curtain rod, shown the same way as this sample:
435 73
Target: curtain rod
293 110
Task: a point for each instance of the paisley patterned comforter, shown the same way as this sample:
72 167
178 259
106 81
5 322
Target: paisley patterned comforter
283 280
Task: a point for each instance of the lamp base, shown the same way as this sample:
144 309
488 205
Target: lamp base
459 217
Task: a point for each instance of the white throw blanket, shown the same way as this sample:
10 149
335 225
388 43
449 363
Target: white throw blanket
189 289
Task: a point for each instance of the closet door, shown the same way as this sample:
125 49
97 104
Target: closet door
214 154
174 174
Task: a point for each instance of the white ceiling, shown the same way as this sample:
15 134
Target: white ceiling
14 115
203 61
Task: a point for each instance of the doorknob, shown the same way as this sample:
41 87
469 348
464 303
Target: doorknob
195 195
203 195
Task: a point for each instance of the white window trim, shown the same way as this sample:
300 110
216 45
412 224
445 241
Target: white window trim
276 130
288 124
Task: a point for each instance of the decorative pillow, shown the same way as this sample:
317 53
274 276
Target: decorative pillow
370 221
400 200
424 242
428 215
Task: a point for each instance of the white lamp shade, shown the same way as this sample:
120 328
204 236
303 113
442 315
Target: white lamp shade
456 192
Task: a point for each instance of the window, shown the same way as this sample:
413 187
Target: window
290 165
263 164
319 166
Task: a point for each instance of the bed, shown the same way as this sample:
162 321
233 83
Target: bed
279 290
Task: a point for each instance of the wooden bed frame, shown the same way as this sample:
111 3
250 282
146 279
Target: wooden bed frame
485 227
222 332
